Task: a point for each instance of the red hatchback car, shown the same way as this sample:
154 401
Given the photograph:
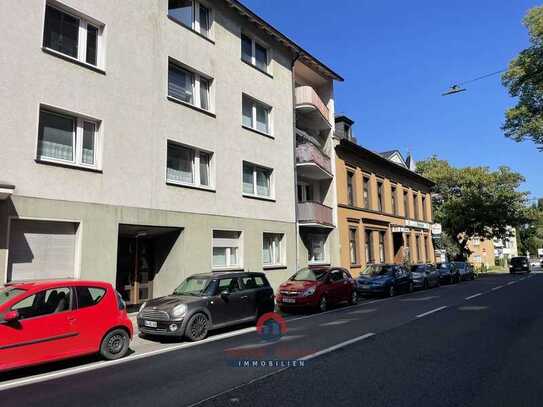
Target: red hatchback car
51 320
317 287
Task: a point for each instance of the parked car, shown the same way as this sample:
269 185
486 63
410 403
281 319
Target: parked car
465 270
424 276
204 302
46 321
448 272
384 279
317 287
519 265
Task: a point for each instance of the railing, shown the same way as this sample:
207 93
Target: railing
314 212
309 153
306 95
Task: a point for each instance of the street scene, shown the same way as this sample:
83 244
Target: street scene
257 202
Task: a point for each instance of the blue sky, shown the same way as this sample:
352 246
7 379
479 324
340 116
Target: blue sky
397 57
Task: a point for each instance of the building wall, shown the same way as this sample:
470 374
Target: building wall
190 254
482 252
360 218
137 119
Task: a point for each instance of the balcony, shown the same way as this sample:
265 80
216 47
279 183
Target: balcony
6 190
310 103
314 214
312 163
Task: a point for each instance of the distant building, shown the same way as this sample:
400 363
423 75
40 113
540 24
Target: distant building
491 252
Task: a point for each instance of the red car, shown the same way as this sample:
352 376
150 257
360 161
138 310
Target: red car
52 320
317 287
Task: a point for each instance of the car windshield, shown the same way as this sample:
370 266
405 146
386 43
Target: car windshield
418 269
519 260
377 270
307 274
7 293
195 286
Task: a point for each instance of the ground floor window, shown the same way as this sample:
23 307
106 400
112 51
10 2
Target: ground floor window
272 249
381 247
316 247
226 249
353 245
40 250
368 246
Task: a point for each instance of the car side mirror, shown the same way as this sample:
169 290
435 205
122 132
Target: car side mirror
11 316
225 293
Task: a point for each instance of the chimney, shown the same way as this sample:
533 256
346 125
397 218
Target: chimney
343 129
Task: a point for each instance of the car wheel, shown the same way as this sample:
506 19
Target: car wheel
115 344
197 327
411 287
391 291
425 285
323 304
354 298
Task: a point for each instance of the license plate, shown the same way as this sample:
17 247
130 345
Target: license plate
365 286
150 324
289 300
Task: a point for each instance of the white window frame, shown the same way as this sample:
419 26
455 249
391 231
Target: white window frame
195 26
305 186
253 52
228 266
324 260
255 194
195 167
278 240
77 139
254 102
84 21
196 100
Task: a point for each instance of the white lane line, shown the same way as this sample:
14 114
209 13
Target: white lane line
431 312
496 288
336 347
473 296
338 322
99 365
511 282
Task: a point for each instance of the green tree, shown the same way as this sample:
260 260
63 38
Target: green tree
474 201
530 235
524 80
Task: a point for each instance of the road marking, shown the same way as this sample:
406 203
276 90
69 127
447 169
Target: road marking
497 288
511 282
363 311
99 365
473 296
336 347
415 299
431 311
338 322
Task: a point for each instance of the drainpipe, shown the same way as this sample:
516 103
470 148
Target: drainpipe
297 232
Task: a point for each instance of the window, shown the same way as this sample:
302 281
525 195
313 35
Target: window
381 247
186 165
350 188
191 14
380 196
89 296
226 249
253 282
423 207
420 248
67 138
353 246
255 115
366 192
272 252
368 246
416 205
45 302
257 181
189 87
405 204
393 200
254 53
336 275
315 244
305 192
230 285
72 35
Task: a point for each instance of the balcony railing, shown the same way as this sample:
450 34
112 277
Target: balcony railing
309 153
314 213
306 96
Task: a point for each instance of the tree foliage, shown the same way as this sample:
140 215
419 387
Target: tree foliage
475 201
524 80
530 235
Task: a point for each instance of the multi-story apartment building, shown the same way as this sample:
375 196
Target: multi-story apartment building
384 208
493 252
143 142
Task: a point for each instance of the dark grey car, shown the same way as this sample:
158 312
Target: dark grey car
207 301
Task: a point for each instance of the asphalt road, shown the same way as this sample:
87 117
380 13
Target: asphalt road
473 344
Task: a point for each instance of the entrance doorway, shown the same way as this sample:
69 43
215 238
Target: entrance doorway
141 252
398 243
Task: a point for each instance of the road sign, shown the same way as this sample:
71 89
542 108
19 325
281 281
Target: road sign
436 229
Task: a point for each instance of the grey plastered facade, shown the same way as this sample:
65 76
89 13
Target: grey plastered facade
129 98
